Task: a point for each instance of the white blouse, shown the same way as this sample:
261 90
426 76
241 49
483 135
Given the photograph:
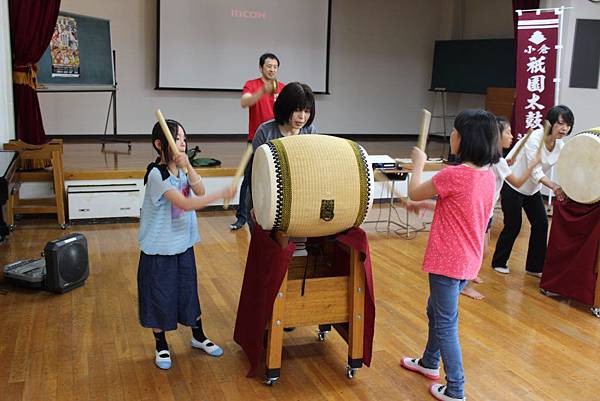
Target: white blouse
525 157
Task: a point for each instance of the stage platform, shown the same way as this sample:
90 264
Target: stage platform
85 160
107 181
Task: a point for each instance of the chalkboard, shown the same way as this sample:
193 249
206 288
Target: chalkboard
471 66
95 56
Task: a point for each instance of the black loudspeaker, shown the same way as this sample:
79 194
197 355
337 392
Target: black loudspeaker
67 265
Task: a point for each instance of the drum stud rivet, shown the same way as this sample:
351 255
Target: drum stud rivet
280 294
278 323
359 317
359 289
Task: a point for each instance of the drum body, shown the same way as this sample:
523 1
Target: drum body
578 167
311 185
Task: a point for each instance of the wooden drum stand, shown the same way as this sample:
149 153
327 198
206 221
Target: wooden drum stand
319 298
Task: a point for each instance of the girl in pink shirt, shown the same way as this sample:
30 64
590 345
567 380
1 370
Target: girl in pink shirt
455 248
502 172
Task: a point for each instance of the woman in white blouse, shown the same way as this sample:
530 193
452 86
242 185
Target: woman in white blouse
528 196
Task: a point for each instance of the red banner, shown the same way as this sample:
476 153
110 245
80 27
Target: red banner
537 37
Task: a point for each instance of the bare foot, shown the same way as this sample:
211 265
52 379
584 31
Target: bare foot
471 293
477 280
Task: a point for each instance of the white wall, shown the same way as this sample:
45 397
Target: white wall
469 19
7 122
490 19
380 66
493 19
585 103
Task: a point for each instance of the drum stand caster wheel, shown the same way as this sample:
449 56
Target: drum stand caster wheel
596 312
270 381
322 331
12 227
351 372
271 376
63 226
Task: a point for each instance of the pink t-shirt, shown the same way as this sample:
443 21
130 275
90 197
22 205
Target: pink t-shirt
464 206
262 110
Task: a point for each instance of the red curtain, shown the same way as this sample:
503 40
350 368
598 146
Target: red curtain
31 26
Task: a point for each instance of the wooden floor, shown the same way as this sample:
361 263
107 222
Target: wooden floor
88 345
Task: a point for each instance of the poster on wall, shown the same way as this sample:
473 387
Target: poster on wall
537 37
64 48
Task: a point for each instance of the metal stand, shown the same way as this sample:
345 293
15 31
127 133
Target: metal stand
442 95
392 176
112 105
113 102
113 138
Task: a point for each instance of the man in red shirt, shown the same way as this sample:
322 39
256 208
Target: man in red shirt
259 97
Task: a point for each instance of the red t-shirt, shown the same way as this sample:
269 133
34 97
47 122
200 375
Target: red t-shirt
262 110
462 212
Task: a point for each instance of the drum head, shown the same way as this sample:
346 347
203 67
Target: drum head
264 187
578 168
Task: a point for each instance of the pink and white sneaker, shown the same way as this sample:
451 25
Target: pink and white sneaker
412 364
437 391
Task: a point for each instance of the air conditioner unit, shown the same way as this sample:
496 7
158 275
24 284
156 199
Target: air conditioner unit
104 200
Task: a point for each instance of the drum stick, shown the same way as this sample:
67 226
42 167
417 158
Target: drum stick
425 121
523 142
547 127
240 171
167 132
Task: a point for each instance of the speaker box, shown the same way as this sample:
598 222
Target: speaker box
67 265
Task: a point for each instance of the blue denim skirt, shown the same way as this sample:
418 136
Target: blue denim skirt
168 290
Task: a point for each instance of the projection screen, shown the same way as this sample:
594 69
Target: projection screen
215 44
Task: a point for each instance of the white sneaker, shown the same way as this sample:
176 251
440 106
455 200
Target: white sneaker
437 391
502 270
163 359
207 346
413 365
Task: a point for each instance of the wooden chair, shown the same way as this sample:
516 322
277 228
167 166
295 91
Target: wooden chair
49 154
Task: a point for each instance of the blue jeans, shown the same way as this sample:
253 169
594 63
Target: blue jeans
442 311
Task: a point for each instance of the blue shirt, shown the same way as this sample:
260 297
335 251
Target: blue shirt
164 228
